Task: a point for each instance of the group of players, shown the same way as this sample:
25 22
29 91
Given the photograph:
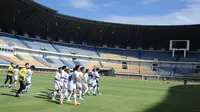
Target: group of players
66 83
80 80
23 75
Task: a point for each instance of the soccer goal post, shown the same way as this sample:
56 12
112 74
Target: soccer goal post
151 77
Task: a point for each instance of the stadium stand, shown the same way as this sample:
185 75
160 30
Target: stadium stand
75 49
117 53
68 62
161 56
21 60
38 44
90 51
92 64
42 60
2 42
2 61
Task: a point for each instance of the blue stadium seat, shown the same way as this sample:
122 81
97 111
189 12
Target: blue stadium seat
2 61
76 49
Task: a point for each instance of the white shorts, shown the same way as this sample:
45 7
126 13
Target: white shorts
85 86
65 85
73 86
93 83
70 86
79 85
16 77
90 82
57 85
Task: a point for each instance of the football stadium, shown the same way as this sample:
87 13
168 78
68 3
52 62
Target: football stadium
54 62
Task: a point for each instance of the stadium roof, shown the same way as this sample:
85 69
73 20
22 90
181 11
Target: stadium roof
36 19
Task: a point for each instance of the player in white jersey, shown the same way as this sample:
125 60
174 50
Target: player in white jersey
98 80
65 80
76 78
93 83
90 77
85 82
70 86
16 71
29 77
79 83
57 84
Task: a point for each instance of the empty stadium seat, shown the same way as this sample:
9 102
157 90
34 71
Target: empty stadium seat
54 62
38 44
13 41
76 49
105 51
3 61
69 63
26 59
151 55
91 64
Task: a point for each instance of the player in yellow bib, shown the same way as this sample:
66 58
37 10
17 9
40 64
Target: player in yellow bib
10 73
22 78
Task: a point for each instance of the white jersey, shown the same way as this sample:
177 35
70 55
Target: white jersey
58 76
65 77
85 78
16 71
97 76
29 75
93 79
75 75
93 76
81 75
70 83
57 82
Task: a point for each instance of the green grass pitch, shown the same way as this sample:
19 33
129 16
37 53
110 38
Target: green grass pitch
118 95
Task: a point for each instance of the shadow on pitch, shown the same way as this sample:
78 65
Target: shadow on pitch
13 90
49 89
179 99
6 94
44 96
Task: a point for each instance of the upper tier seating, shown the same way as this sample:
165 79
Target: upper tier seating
2 42
3 61
120 52
75 49
161 56
13 41
38 45
193 55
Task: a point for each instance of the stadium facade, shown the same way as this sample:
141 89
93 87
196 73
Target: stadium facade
44 37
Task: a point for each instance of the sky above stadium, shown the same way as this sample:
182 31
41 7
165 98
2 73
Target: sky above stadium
146 12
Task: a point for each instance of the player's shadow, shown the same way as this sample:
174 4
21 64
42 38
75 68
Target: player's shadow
49 89
13 91
6 94
44 95
179 99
